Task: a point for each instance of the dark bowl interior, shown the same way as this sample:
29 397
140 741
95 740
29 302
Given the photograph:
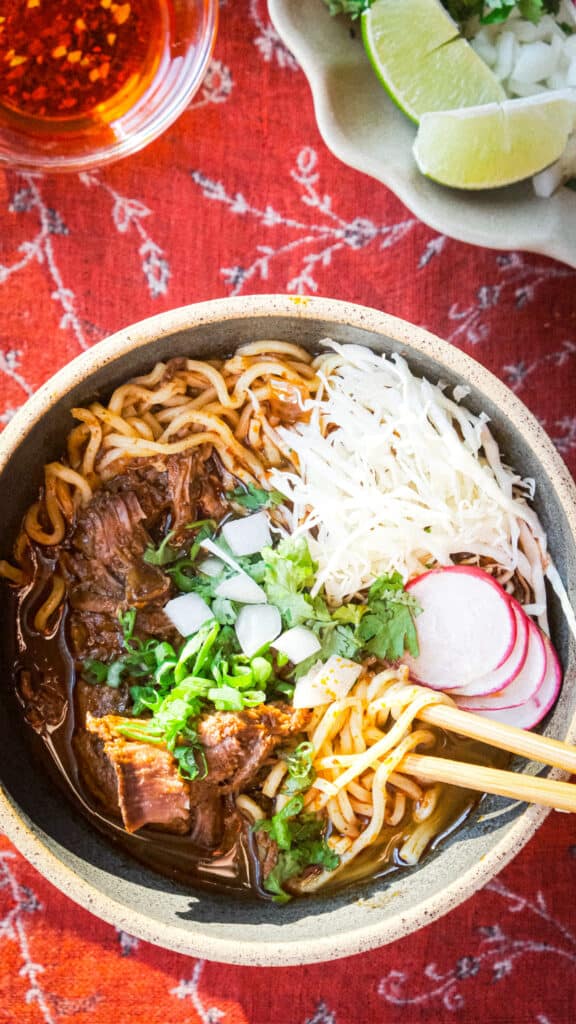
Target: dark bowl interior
92 870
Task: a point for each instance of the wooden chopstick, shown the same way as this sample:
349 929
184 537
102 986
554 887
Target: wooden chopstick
529 788
506 737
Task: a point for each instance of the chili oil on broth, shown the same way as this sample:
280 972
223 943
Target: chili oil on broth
246 445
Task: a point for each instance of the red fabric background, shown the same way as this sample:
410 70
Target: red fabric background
242 196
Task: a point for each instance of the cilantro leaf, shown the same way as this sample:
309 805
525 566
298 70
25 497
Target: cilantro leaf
252 497
301 842
387 628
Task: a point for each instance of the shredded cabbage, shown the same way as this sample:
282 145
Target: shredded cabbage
395 475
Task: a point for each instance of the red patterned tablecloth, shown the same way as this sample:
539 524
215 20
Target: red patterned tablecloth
242 196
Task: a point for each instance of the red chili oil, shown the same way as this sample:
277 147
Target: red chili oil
63 59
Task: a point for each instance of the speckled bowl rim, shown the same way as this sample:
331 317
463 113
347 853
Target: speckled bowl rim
193 941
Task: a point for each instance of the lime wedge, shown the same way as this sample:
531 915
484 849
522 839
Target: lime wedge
496 144
422 61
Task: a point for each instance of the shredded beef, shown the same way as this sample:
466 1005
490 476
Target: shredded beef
147 788
103 560
236 744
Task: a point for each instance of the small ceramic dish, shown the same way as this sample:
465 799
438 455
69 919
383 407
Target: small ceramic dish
69 851
361 126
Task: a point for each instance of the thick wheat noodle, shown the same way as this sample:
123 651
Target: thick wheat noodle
50 605
427 804
207 372
273 780
213 414
198 417
330 723
387 744
55 517
405 785
243 423
285 348
90 422
112 420
141 427
359 791
337 818
361 807
347 810
155 426
394 817
259 370
76 443
254 431
59 472
12 573
144 398
153 378
249 807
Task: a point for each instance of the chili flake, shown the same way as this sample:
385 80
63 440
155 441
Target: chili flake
64 59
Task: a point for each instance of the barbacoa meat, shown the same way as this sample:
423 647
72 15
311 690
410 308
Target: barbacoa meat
103 560
147 788
236 744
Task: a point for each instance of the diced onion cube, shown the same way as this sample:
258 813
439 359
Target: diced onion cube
211 566
326 683
209 545
257 625
297 644
247 536
241 588
187 613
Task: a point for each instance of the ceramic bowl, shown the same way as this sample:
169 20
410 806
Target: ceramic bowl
71 853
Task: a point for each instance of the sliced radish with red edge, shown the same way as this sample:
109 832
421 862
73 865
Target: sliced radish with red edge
505 674
523 687
534 710
467 626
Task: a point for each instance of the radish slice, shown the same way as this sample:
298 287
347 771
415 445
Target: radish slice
326 683
467 626
501 677
534 710
187 613
297 644
247 536
523 687
241 588
257 625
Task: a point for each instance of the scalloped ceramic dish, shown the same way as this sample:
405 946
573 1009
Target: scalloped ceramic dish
43 822
362 127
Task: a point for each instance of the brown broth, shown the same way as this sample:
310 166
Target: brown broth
235 867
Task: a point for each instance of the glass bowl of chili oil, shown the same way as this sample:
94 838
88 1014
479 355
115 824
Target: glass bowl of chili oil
86 82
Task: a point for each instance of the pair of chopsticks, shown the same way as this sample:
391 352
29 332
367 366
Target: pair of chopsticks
529 788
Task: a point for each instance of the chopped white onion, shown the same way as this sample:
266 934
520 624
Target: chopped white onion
529 59
213 548
297 644
187 613
247 536
241 588
256 625
326 683
211 566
